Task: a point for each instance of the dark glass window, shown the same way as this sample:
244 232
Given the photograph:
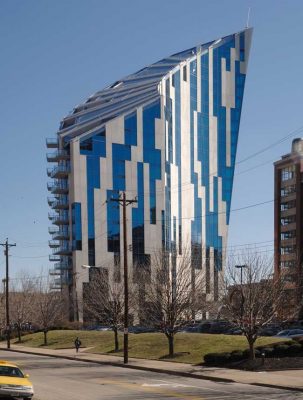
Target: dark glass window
288 235
76 227
288 173
185 73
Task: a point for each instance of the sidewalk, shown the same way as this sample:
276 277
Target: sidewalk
289 379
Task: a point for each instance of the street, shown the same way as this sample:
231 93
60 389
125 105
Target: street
59 379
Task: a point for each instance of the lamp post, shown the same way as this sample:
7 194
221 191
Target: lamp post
241 285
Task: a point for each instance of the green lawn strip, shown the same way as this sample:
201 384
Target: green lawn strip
189 347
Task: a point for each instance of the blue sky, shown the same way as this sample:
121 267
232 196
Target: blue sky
54 54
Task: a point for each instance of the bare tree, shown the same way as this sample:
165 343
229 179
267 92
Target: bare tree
22 296
252 297
48 306
103 300
172 295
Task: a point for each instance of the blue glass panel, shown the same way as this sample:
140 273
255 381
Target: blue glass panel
113 222
76 227
138 218
120 153
130 129
151 155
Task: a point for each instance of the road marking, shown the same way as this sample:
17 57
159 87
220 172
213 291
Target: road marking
152 389
173 385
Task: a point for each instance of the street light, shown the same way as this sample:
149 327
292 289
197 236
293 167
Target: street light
241 285
241 267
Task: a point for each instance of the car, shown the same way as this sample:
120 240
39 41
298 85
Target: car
13 383
290 333
217 326
234 331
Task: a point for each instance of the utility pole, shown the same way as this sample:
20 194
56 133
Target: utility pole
8 332
124 202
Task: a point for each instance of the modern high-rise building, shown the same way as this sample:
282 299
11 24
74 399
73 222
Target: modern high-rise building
289 223
165 135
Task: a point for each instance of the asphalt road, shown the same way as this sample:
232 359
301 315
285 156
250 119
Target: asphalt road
58 379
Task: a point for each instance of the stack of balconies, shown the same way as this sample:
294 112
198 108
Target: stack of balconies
59 216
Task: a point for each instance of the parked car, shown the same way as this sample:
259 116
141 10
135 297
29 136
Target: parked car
270 330
13 383
214 326
234 331
290 333
189 329
141 329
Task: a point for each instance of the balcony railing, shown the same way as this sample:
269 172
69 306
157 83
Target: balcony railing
63 280
58 187
52 230
53 243
63 250
59 171
59 219
54 272
57 156
61 234
60 204
61 266
52 143
54 258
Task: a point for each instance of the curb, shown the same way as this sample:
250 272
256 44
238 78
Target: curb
156 370
278 387
137 367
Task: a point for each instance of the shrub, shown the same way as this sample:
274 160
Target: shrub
217 358
281 350
246 353
295 349
237 355
268 351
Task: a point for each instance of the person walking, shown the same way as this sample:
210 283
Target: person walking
77 344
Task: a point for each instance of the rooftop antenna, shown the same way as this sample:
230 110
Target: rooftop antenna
248 15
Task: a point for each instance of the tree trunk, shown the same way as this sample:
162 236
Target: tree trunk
19 334
45 337
116 339
170 345
251 343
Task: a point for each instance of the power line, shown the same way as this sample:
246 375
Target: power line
283 139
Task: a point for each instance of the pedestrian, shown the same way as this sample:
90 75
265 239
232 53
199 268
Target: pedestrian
77 344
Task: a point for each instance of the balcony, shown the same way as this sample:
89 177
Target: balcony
63 280
61 203
61 234
50 201
52 230
57 156
54 272
52 143
54 258
59 219
63 250
53 244
61 266
59 171
58 187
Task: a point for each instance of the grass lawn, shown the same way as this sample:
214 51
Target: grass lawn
190 347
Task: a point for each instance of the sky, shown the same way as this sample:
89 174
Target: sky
54 54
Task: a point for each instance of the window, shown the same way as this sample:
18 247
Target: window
288 173
288 220
288 264
286 191
185 73
288 205
288 235
173 79
288 250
